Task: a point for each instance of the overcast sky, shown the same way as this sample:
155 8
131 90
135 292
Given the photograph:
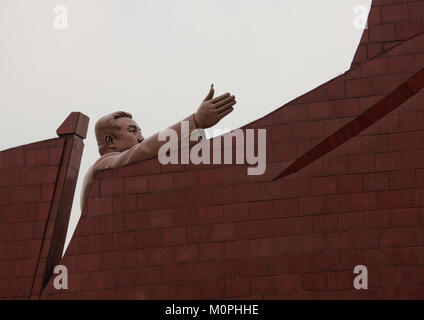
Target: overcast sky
157 59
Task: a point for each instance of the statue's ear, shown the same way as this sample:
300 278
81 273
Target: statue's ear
109 140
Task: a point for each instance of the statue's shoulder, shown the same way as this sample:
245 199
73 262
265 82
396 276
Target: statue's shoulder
105 161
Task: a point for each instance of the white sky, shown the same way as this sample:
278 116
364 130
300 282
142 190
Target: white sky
157 59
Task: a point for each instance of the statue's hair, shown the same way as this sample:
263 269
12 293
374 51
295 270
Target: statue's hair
108 125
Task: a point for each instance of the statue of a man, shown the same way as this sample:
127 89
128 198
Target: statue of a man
120 140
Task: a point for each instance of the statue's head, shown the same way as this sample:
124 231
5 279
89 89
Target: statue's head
117 132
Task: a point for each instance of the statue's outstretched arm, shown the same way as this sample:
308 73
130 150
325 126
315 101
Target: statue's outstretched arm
209 113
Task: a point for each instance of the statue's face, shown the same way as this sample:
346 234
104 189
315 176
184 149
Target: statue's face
129 135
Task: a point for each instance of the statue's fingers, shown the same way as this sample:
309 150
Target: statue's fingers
221 97
223 114
224 102
226 106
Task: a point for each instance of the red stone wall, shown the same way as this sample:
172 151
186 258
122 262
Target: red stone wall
390 23
37 182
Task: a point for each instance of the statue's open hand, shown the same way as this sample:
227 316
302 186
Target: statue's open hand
212 110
